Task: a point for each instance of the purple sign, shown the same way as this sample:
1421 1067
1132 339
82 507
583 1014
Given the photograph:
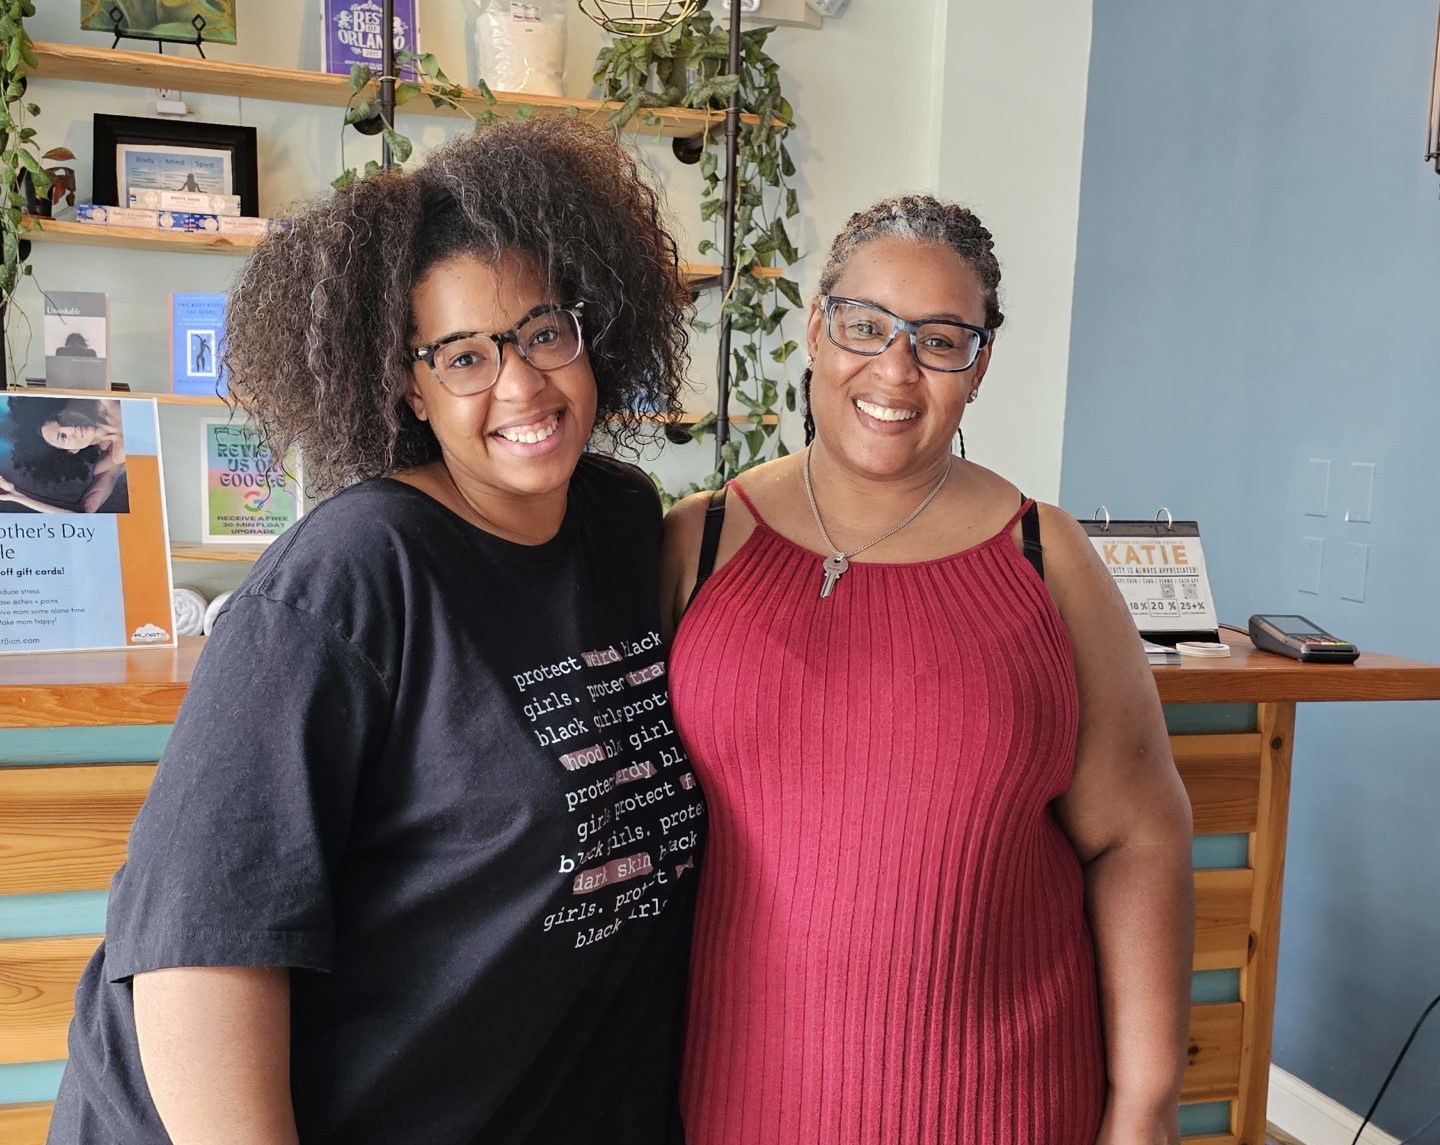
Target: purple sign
354 31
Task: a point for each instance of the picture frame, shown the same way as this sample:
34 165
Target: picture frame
170 21
135 152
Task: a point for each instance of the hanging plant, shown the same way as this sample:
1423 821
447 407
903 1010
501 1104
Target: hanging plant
20 164
364 113
689 67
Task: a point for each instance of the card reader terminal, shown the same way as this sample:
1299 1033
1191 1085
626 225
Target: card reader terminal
1300 639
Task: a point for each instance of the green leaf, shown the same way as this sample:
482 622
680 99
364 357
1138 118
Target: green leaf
524 111
792 203
400 147
790 391
360 112
707 247
791 292
782 355
730 454
405 92
372 168
711 208
344 179
360 75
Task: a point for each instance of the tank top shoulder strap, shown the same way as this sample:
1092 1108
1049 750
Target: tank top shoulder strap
1029 518
710 539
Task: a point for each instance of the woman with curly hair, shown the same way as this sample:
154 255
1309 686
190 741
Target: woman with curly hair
61 443
419 859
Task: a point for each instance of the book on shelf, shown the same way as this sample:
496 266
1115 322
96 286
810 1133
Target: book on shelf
197 327
246 496
77 339
353 35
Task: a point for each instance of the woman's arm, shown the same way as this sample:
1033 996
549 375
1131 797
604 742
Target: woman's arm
102 483
215 1047
1128 816
8 492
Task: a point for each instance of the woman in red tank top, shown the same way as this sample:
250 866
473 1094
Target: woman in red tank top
947 896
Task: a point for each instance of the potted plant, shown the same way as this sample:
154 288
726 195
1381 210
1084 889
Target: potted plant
61 188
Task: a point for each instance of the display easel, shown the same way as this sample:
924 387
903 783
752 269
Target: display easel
117 18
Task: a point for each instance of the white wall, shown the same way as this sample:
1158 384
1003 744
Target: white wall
982 101
1009 141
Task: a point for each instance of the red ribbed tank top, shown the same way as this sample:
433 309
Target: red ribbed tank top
890 945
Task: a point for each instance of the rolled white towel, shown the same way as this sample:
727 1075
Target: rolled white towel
214 610
189 610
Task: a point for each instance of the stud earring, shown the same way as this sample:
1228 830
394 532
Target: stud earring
975 393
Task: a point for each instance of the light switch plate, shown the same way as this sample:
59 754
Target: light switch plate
1311 563
1317 487
1354 565
1362 492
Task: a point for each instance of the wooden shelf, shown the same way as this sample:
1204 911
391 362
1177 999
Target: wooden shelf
162 398
252 81
229 554
68 232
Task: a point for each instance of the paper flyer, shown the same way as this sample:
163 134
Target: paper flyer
245 497
84 548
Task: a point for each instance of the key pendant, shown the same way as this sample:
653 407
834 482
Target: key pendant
834 569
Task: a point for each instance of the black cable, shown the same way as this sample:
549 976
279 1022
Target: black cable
1374 1105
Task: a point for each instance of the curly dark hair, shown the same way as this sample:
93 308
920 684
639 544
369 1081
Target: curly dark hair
919 219
33 455
319 323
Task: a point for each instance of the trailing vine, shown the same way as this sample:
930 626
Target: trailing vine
431 82
688 66
18 157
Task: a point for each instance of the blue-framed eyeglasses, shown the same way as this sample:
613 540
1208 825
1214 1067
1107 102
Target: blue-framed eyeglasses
937 343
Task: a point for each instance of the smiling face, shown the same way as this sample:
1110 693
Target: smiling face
70 438
887 417
524 435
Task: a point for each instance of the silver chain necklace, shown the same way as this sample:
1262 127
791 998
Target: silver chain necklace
836 566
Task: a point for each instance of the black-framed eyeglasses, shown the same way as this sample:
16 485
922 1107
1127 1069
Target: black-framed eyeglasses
937 343
466 364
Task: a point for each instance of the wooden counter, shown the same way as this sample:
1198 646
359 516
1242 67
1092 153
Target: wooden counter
79 735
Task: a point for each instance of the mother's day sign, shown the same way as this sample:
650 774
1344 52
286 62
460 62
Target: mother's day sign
84 554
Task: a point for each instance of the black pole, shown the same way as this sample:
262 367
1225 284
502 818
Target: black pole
727 269
387 81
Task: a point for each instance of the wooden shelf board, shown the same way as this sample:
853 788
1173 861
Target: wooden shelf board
68 232
194 551
252 81
1248 675
164 399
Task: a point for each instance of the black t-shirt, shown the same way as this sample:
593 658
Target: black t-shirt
435 773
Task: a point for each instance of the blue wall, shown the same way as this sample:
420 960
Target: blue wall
1258 289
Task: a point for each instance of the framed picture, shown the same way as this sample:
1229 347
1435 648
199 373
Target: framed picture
175 21
134 153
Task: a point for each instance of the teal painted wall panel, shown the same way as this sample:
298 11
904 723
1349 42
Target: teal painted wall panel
1212 1117
20 747
1215 986
32 1081
1220 852
45 916
1203 719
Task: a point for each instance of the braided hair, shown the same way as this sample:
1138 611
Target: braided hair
917 219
